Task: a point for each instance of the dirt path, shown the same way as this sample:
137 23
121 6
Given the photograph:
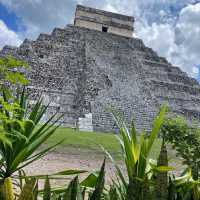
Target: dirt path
75 159
55 162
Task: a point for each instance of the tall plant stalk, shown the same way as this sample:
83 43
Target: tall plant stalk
162 177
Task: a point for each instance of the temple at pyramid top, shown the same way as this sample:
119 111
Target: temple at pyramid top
104 21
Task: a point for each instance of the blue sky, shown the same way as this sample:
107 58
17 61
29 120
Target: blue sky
9 18
170 27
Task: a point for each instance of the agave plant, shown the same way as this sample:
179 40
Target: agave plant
91 188
21 136
135 153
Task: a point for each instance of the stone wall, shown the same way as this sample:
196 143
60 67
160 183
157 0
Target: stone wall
83 71
95 19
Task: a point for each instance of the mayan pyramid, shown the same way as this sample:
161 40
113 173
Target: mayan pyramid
96 62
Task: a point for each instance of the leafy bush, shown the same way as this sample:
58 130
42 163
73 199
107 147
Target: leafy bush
11 74
185 139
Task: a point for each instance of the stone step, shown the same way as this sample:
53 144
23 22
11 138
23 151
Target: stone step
43 37
25 50
146 52
26 43
40 90
151 62
136 43
68 32
195 90
171 78
190 114
181 98
149 56
8 50
58 32
160 69
177 104
159 66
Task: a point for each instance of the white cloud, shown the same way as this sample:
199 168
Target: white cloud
8 37
180 43
44 15
41 15
127 7
188 38
110 8
160 37
172 28
189 30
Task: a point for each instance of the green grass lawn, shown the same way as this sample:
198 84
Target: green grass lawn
90 142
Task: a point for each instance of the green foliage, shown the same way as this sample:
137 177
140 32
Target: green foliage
146 178
117 191
9 71
29 190
11 76
47 189
23 137
185 139
74 191
136 155
8 189
28 185
184 187
98 191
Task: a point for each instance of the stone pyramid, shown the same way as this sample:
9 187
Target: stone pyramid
82 70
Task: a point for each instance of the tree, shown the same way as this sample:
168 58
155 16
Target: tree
11 74
185 139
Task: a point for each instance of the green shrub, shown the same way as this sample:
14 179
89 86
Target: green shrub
10 75
185 139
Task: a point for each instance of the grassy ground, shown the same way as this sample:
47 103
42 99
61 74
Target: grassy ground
86 142
85 146
81 150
